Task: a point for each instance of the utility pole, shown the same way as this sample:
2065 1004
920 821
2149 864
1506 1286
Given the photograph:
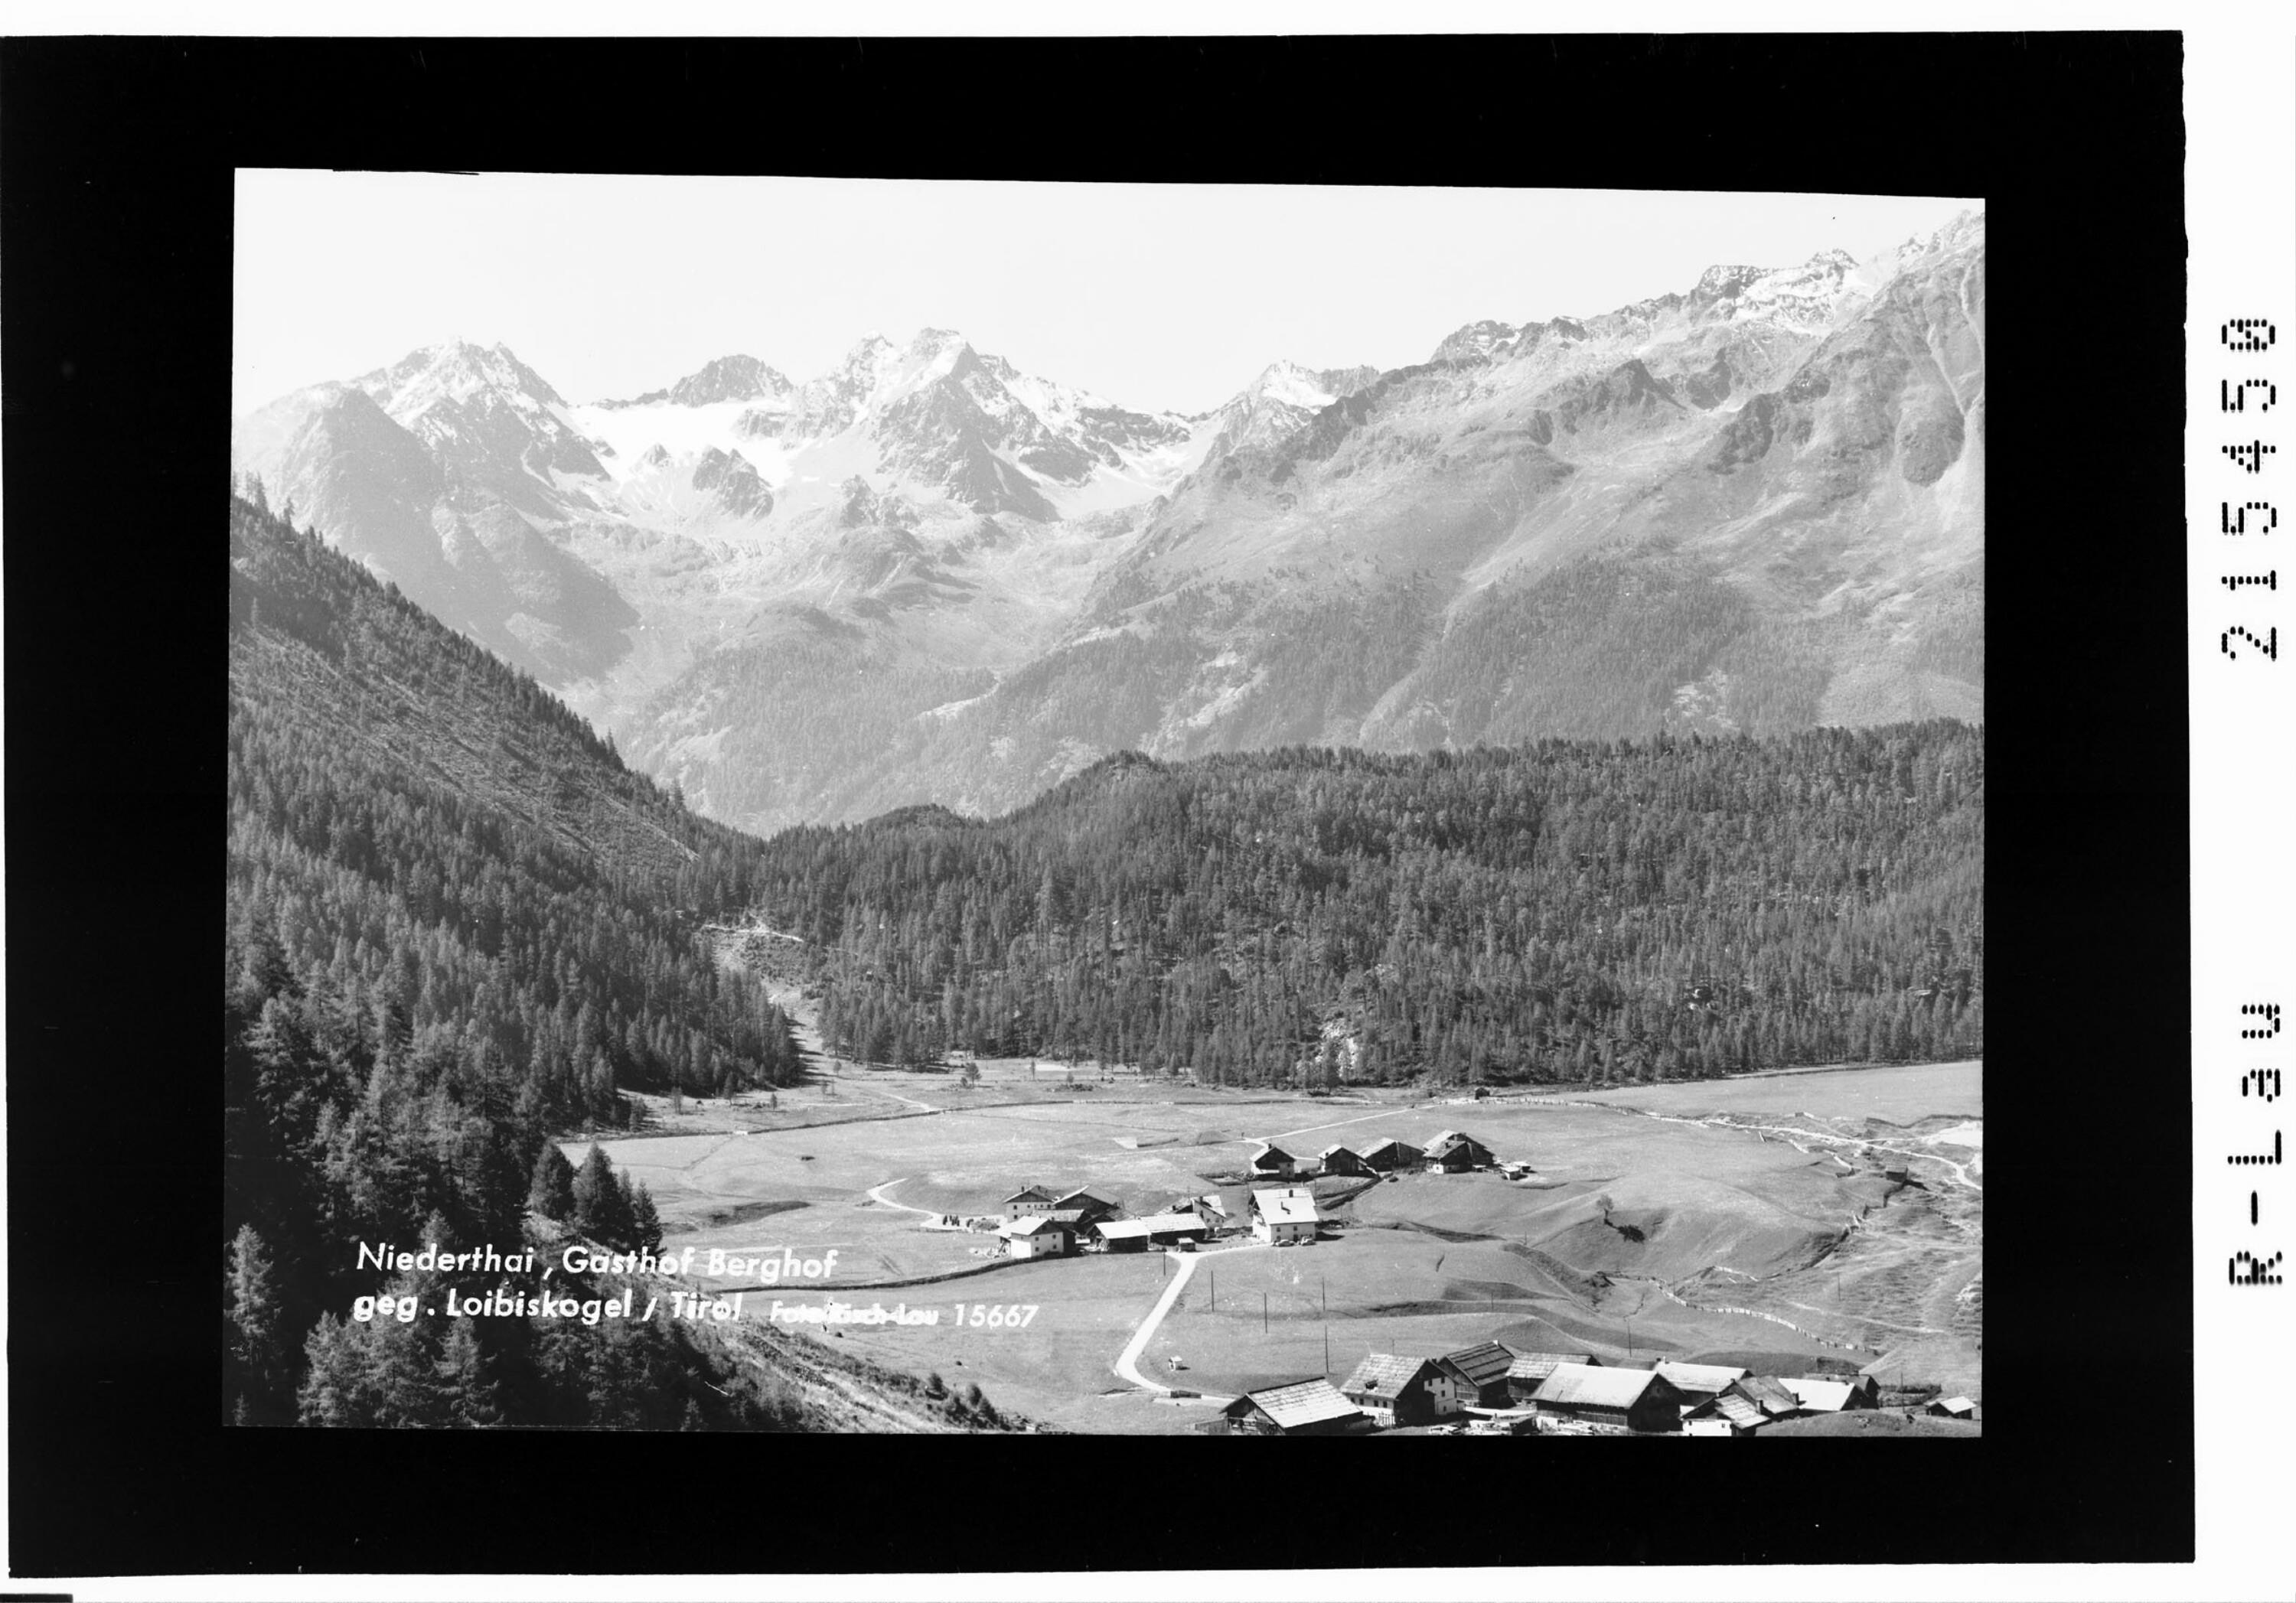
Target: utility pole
1263 1313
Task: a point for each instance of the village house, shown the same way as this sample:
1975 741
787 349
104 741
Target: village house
1304 1407
1528 1370
1386 1156
1088 1207
1272 1163
1286 1215
1831 1395
1478 1375
1639 1400
1394 1390
1029 1199
1701 1380
1767 1393
1341 1160
1035 1235
1726 1413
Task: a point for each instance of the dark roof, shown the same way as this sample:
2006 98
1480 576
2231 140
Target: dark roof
1083 1199
1768 1393
1030 1194
1480 1364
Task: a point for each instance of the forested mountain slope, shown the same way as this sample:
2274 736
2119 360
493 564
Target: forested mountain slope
1562 911
455 921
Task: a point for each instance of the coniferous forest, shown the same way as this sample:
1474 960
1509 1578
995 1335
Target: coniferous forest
455 922
1566 911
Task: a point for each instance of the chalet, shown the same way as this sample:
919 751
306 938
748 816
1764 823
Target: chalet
1478 1374
1954 1408
1394 1391
1305 1408
1455 1153
1341 1160
1726 1413
1766 1392
1639 1400
1035 1236
1272 1163
1387 1156
1029 1199
1830 1395
1702 1379
1158 1230
1529 1369
1088 1207
1285 1215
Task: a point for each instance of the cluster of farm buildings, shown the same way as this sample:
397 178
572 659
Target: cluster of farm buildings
1496 1389
1038 1223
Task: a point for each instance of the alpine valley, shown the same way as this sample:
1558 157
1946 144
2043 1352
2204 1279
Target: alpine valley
1755 505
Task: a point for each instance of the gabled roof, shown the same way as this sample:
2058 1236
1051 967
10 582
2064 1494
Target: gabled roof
1702 1376
1037 1224
1738 1411
1029 1194
1291 1205
1582 1383
1769 1394
1082 1200
1388 1144
1115 1230
1303 1403
1818 1395
1956 1405
1333 1150
1539 1366
1480 1365
1270 1153
1385 1374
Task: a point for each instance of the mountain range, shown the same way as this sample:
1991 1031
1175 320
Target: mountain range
927 575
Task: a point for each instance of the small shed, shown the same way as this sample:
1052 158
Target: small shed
1528 1370
1303 1408
1342 1160
1035 1235
1641 1400
1386 1156
1393 1390
1954 1408
1289 1215
1479 1374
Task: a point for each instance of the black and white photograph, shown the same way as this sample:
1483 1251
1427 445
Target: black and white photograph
964 806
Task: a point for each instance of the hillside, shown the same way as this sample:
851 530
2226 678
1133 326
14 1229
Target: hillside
1560 912
1754 505
456 921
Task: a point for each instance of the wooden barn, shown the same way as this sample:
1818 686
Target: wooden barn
1304 1407
1766 1392
1456 1153
1639 1400
1831 1394
1273 1163
1158 1230
1393 1390
1531 1370
1284 1215
1478 1375
1726 1413
1089 1209
1341 1160
1387 1156
1702 1379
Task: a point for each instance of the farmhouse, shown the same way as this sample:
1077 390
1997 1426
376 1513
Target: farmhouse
1341 1160
1029 1199
1630 1399
1393 1390
1305 1408
1271 1162
1529 1369
1455 1153
1088 1207
1822 1395
1478 1375
1037 1237
1285 1215
1726 1413
1702 1379
1160 1229
1388 1156
1766 1392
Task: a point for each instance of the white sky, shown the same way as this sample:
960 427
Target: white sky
1154 297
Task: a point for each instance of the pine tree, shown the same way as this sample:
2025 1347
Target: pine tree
551 1192
258 1366
645 1223
596 1197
